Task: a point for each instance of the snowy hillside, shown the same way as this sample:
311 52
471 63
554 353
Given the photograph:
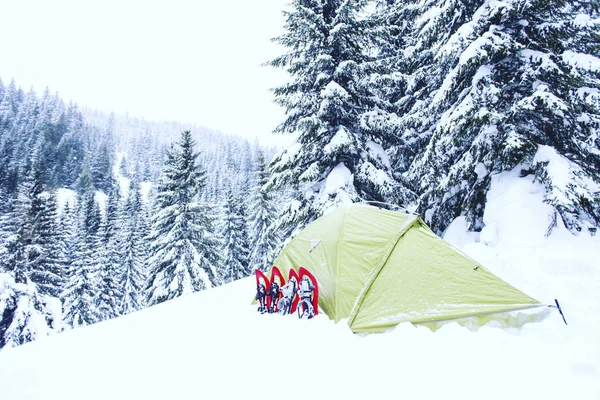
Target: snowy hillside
214 344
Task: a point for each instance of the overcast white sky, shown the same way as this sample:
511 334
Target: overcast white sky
185 60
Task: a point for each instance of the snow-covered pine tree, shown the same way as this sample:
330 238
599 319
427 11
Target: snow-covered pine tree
133 255
7 228
19 222
398 81
107 259
184 247
101 168
234 254
26 132
46 262
25 315
34 246
335 161
70 149
262 213
498 86
80 293
67 231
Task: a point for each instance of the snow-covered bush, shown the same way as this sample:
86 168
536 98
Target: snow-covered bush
26 315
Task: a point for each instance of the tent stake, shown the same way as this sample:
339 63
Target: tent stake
559 310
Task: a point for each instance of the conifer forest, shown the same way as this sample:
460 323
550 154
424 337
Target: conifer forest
411 105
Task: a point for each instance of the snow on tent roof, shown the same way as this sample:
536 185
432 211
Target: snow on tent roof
378 268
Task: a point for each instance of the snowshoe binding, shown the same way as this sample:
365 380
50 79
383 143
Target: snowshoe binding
262 283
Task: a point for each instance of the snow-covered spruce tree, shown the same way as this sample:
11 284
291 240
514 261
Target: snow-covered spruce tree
400 78
184 247
67 232
19 249
80 293
234 253
107 259
34 248
25 315
134 253
46 262
262 213
499 85
5 206
335 161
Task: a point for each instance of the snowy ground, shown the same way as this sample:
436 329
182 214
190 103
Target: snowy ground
215 345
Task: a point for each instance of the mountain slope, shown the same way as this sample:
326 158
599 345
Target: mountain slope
213 344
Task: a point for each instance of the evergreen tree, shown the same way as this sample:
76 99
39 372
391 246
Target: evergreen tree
47 265
184 246
480 88
133 251
8 227
101 169
80 293
66 233
70 149
262 215
335 161
107 259
235 251
19 223
9 105
26 315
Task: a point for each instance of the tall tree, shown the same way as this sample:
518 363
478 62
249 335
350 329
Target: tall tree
184 246
81 291
133 251
490 87
46 261
234 232
335 160
107 259
262 213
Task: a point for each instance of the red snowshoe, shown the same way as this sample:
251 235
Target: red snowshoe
274 293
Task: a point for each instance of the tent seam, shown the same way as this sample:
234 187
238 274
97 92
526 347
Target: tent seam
377 270
337 261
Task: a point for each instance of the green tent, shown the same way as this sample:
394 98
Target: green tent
378 268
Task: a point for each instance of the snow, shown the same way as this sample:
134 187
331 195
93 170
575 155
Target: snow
562 172
581 60
584 20
214 344
101 198
64 197
481 171
558 166
539 57
124 182
340 140
338 178
379 153
145 189
333 89
458 235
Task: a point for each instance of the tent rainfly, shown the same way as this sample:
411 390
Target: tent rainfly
378 268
